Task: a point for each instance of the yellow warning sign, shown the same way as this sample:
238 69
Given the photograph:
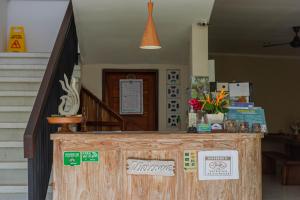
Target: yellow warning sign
16 39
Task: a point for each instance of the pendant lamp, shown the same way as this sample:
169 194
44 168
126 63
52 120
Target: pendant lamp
150 38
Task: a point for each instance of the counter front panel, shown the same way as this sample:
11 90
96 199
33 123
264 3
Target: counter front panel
94 166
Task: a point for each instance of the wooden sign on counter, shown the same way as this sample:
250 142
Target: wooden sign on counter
151 167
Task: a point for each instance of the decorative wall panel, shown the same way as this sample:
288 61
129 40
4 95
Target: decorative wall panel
173 99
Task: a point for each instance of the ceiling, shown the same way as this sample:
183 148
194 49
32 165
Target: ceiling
241 26
110 31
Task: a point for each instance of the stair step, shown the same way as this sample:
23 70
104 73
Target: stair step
22 73
22 67
12 144
13 125
15 108
20 83
17 101
18 192
17 98
4 189
7 147
19 86
12 152
14 196
29 67
27 71
8 84
11 134
13 176
23 196
13 189
22 70
13 165
18 93
20 79
15 113
24 58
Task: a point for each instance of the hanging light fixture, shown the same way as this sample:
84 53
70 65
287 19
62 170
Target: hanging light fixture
150 38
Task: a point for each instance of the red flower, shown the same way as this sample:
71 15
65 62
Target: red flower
195 103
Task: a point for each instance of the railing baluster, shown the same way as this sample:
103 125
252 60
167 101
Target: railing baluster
101 115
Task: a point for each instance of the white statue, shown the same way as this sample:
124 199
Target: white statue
70 102
295 127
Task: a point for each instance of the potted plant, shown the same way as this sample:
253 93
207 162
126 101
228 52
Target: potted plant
215 107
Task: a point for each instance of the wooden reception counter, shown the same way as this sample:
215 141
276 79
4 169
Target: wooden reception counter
157 166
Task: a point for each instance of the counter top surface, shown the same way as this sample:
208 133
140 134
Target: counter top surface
150 135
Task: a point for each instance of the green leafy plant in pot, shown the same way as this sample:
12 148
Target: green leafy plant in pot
215 107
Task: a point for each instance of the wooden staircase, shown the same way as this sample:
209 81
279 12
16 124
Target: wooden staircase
98 116
38 148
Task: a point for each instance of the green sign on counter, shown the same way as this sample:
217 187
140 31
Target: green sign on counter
203 128
72 158
90 156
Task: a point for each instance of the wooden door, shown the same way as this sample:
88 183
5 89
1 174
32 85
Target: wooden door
148 121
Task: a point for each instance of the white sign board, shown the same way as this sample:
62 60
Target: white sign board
150 167
131 96
239 89
218 165
222 86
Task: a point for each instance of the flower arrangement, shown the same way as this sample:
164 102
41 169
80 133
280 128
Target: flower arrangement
216 105
211 105
195 104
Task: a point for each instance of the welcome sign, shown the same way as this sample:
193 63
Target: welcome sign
150 167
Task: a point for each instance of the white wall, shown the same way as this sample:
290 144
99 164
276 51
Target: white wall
41 19
92 79
3 18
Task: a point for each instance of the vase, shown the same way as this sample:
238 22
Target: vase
215 118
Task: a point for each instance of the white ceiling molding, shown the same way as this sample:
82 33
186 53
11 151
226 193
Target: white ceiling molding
211 55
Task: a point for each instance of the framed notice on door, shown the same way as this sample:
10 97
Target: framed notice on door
131 96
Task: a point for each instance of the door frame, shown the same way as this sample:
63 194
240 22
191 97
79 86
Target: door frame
155 71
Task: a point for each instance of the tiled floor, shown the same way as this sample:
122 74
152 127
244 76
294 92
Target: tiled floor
273 190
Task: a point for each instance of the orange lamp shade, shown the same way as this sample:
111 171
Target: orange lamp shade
150 38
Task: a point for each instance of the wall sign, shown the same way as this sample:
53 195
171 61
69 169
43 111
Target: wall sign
150 167
131 96
90 156
218 165
75 158
190 161
71 158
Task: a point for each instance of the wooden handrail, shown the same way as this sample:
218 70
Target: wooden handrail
30 134
97 104
38 147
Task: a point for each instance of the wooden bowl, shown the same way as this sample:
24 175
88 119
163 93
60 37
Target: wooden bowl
65 122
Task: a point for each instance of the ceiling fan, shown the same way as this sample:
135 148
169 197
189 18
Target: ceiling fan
295 43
